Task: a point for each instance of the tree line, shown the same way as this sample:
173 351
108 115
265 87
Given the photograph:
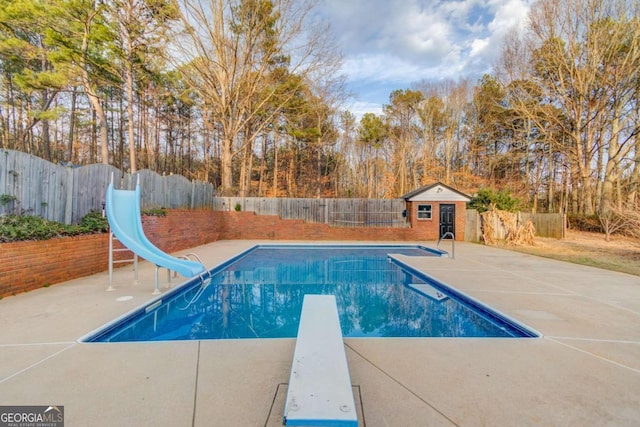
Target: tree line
247 94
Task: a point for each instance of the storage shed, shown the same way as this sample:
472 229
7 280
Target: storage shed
437 209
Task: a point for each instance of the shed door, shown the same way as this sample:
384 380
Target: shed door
447 219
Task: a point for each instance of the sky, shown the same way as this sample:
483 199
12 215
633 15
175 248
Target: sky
389 44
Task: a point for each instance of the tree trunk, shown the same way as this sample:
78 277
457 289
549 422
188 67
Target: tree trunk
100 115
226 160
275 164
551 181
94 137
130 122
45 126
632 193
72 124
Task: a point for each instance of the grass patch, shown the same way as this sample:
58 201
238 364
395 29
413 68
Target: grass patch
588 249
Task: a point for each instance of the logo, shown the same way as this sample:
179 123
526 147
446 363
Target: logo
32 416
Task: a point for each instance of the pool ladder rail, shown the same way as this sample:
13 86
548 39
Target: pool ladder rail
453 243
205 281
189 257
206 274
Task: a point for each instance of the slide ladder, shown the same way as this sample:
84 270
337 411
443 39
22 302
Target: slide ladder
112 252
123 213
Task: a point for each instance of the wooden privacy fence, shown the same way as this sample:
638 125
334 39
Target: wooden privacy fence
472 228
34 186
546 225
335 212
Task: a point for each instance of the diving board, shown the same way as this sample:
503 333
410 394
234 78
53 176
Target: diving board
123 213
319 392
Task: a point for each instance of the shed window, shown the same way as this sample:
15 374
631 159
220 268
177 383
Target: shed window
424 211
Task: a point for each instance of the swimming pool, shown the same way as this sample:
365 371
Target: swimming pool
259 294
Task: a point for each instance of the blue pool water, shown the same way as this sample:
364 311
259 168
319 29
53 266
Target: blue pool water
259 295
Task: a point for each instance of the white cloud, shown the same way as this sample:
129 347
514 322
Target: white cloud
478 46
506 14
389 44
378 68
359 108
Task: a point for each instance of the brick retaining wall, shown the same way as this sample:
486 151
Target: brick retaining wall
33 264
30 265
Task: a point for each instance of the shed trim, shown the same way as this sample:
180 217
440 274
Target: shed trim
457 195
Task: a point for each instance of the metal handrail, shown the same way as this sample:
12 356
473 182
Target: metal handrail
453 242
192 256
205 282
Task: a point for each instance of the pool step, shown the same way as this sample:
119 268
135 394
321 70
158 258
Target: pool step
319 391
429 291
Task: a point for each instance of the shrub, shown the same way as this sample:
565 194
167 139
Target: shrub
15 228
94 222
501 200
155 212
5 199
589 223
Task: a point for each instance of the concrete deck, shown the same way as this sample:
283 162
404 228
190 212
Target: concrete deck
585 371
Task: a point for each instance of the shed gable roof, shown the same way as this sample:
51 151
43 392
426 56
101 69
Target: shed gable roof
437 192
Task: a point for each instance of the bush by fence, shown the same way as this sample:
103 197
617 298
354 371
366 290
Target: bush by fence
34 186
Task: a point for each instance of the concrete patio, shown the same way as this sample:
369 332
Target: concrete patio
584 371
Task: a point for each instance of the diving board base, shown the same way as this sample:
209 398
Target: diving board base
319 391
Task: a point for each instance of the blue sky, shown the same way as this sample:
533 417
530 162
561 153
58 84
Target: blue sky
389 44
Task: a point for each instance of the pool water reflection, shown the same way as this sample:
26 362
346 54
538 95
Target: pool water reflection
260 296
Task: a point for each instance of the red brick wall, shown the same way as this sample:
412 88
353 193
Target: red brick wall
181 229
29 265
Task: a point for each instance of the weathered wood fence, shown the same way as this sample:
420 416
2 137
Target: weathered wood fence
335 212
472 226
34 186
31 185
546 225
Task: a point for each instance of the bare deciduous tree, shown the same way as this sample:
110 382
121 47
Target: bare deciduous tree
235 48
584 58
141 25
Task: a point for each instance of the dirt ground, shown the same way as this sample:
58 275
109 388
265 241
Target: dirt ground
619 254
